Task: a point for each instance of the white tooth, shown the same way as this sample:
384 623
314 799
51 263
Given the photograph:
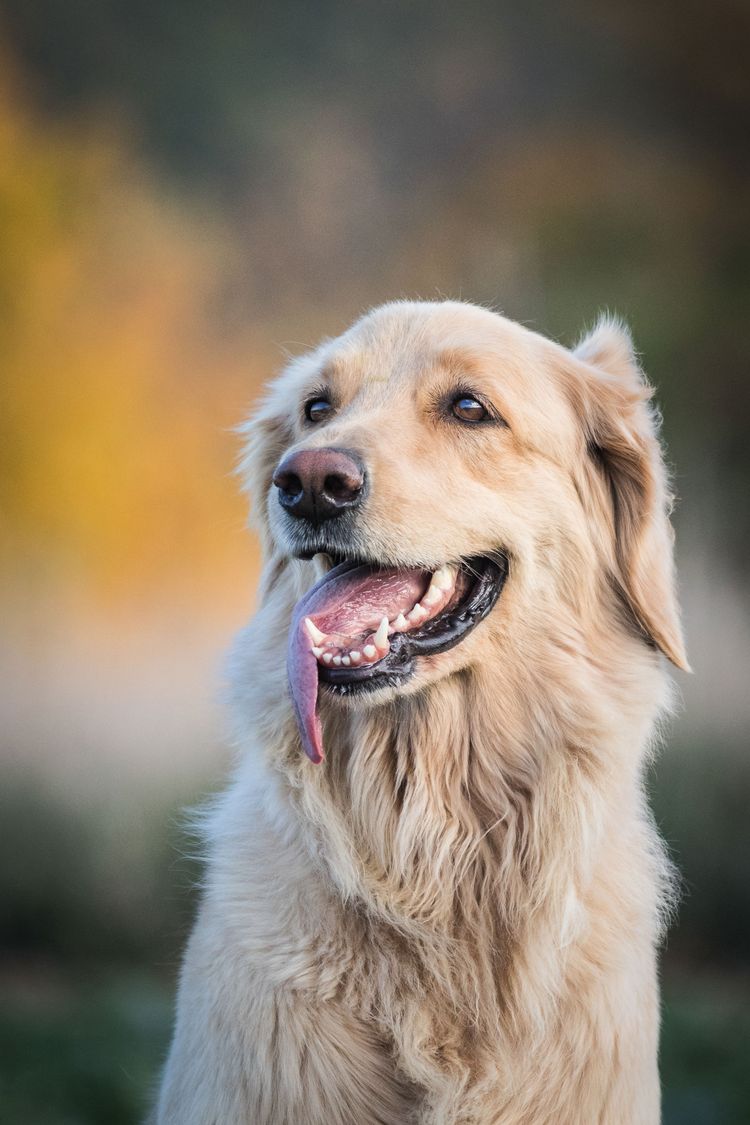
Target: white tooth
417 615
337 660
433 596
381 637
317 651
400 623
355 656
370 652
346 661
322 564
327 657
314 632
444 578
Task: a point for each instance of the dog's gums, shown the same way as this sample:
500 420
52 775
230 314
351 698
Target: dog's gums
362 626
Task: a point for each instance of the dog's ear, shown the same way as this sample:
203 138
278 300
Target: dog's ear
622 432
266 434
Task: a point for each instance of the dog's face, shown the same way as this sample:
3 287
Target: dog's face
456 479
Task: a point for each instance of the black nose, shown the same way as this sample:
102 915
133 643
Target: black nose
320 484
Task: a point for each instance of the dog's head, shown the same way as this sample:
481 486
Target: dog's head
461 486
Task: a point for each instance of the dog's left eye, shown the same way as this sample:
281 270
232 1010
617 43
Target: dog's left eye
469 409
318 409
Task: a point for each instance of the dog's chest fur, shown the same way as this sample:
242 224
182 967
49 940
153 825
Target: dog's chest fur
468 918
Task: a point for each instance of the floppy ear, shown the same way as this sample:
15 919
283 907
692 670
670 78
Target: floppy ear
622 432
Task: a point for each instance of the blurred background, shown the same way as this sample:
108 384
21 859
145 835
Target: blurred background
188 193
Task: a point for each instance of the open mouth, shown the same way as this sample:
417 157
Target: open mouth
363 626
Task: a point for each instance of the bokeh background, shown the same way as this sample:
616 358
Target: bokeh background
188 193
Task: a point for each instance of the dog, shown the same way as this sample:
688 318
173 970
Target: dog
434 889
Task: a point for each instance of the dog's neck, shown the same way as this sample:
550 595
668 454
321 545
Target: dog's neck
442 821
439 807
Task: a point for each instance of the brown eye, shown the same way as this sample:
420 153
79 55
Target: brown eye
318 409
469 409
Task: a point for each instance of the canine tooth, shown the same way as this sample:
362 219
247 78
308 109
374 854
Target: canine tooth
314 632
400 623
346 661
444 578
327 657
317 651
381 637
322 563
370 652
337 660
355 656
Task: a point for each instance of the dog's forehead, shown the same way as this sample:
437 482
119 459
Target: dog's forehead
401 350
403 346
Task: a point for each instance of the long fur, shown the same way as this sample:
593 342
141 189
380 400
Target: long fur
455 918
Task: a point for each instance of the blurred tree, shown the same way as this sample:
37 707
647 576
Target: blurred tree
118 372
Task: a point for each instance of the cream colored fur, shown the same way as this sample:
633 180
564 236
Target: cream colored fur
453 919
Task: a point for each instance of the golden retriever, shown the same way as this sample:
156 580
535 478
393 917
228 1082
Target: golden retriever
434 889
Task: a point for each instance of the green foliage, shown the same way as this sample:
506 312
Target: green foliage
706 1029
82 1050
98 885
700 798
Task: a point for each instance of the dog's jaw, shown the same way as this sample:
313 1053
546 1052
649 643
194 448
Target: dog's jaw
333 637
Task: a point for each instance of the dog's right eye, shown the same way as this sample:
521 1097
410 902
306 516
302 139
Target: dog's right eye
469 409
318 409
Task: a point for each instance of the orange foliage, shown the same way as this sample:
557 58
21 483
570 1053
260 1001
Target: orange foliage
120 383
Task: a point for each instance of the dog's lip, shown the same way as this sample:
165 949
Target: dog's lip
348 594
440 633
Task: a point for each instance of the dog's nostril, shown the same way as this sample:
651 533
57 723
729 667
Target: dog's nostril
288 483
341 487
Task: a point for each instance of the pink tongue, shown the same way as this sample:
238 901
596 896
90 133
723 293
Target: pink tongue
350 602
